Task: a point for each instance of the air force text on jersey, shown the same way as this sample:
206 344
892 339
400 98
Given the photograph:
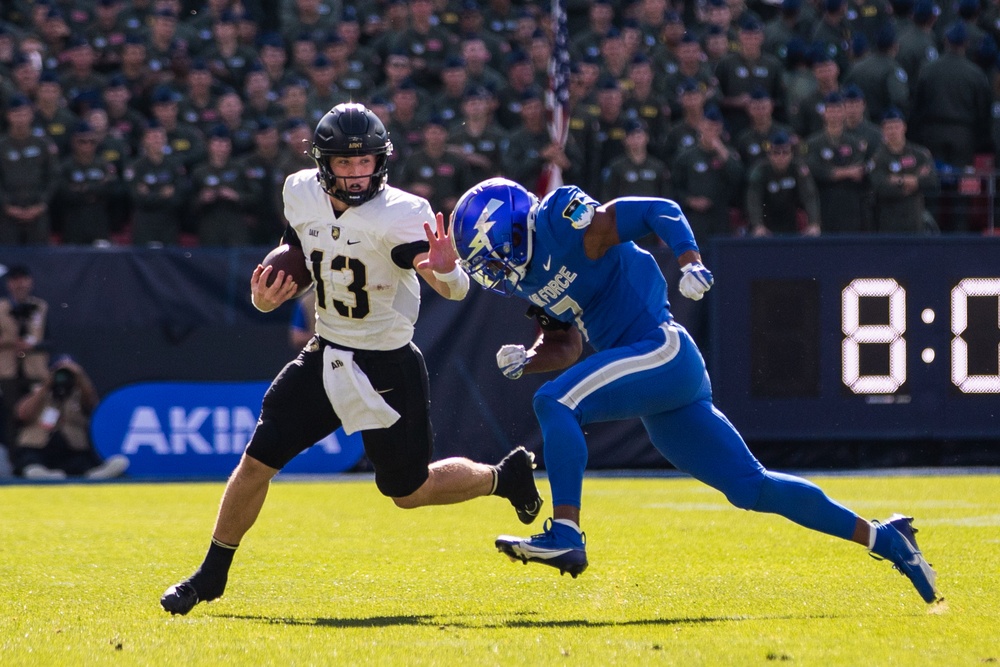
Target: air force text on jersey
555 287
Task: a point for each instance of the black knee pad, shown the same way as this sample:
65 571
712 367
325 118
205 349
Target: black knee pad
265 446
400 483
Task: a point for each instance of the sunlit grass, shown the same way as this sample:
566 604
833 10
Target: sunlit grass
335 574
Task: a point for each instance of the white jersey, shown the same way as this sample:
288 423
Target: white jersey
363 299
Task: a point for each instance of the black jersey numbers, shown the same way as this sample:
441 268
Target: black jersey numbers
352 268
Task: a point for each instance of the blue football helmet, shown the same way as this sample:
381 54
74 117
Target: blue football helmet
492 229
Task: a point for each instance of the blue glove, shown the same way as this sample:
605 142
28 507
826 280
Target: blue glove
512 359
696 281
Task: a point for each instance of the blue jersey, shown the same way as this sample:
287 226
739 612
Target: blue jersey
646 366
615 300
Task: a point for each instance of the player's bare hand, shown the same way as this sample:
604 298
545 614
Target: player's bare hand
441 256
266 298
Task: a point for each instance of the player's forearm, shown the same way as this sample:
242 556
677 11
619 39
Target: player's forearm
688 257
637 216
453 285
553 354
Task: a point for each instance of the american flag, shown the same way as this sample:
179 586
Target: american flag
557 96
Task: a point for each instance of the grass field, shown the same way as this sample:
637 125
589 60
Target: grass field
333 574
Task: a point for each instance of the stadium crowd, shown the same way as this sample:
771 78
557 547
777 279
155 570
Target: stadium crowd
162 122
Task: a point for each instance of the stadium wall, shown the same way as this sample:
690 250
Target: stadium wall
184 315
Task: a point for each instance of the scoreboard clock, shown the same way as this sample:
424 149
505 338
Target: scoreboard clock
857 337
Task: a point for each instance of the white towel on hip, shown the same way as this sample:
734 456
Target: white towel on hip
352 395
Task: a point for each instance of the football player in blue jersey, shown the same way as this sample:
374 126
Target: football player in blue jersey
575 261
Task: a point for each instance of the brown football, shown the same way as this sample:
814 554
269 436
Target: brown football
292 261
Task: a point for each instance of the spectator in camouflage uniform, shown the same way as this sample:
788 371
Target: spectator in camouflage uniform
689 64
197 106
226 57
837 161
753 142
480 139
433 172
636 173
779 187
427 44
531 149
87 185
809 120
902 175
643 103
917 41
951 107
158 187
856 120
186 143
220 193
882 80
29 176
705 176
51 115
741 72
684 134
262 171
124 122
610 130
454 80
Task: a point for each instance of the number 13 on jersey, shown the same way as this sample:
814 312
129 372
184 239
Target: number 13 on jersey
349 272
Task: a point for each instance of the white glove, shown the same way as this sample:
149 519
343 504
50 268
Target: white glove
512 359
696 281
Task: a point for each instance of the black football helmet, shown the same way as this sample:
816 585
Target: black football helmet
351 129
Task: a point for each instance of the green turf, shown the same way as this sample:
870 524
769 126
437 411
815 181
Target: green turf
334 574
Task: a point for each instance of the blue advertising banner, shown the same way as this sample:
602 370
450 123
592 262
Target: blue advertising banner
199 429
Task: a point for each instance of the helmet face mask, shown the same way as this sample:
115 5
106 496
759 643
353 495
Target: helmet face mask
492 229
351 130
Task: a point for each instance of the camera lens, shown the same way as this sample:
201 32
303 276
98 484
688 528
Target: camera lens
63 380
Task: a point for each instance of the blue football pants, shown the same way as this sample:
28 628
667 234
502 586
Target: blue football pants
662 380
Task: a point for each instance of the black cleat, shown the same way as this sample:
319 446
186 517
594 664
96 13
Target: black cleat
516 483
179 598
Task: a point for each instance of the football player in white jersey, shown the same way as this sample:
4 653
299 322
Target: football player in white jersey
365 243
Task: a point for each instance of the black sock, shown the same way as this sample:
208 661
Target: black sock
505 485
210 579
496 482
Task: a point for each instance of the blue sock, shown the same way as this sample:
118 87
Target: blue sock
805 503
883 540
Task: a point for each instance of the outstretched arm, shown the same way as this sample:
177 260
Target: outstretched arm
635 217
631 218
439 265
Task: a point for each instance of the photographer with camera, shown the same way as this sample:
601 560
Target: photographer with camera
24 359
54 439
